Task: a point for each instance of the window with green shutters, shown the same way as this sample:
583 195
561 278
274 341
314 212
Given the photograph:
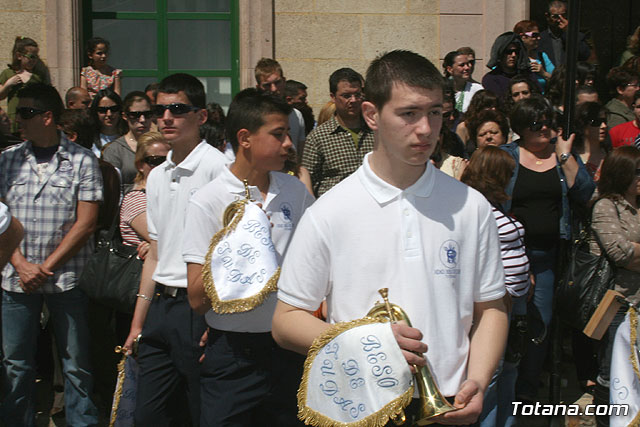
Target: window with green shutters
151 39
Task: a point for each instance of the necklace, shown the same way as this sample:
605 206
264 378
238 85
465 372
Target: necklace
538 162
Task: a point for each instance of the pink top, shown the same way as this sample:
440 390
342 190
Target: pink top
133 204
97 81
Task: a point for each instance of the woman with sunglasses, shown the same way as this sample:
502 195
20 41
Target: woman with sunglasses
151 151
122 151
105 108
546 178
541 65
592 140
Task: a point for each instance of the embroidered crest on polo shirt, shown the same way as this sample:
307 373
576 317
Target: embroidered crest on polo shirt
287 211
450 258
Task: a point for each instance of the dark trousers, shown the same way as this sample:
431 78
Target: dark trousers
247 380
168 391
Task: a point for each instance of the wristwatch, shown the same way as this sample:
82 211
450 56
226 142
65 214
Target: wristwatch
564 157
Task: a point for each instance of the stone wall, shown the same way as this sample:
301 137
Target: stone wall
53 25
315 37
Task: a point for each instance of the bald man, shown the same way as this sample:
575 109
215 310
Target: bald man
77 98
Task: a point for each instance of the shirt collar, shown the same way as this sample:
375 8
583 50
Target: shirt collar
63 148
235 186
337 127
192 160
383 192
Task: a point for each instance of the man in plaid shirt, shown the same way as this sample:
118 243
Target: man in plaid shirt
335 149
53 187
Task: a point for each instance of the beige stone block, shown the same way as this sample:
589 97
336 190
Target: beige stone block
22 24
300 70
9 5
429 7
293 6
317 36
359 6
460 30
418 33
465 7
33 5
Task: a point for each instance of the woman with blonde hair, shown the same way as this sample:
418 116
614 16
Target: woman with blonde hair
151 151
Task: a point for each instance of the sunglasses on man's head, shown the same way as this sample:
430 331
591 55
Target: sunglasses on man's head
27 113
539 124
154 161
112 108
176 109
597 122
135 115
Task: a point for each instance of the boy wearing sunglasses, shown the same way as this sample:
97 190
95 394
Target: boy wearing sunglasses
54 188
167 330
260 387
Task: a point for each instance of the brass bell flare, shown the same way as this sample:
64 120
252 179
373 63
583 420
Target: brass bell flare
432 402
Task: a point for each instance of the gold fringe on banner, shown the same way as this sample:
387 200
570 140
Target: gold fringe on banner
314 418
238 305
633 321
120 383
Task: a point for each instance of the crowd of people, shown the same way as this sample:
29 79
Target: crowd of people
400 165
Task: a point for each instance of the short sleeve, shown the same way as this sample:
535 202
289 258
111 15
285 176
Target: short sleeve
133 204
117 72
90 188
489 261
304 279
199 228
152 207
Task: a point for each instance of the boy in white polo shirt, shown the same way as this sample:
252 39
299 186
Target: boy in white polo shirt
168 384
246 379
399 223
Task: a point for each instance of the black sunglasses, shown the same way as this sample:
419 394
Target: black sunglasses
637 172
537 125
510 51
112 108
176 109
447 114
154 161
27 113
597 122
135 115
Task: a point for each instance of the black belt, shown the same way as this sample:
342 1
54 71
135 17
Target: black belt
169 291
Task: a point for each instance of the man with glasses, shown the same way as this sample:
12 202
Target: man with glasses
623 86
335 149
270 78
626 133
54 188
553 40
169 331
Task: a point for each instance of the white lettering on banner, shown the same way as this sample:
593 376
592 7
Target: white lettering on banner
539 409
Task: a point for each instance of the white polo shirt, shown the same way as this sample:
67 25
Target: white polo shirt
296 128
434 245
286 200
5 218
467 93
169 187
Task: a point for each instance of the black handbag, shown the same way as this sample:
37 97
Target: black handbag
586 279
112 274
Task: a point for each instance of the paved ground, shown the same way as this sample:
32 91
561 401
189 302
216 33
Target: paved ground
570 393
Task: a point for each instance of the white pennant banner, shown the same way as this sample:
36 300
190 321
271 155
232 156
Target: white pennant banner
241 267
624 387
355 375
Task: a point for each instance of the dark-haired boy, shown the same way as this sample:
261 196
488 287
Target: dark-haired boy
168 384
54 188
257 388
400 223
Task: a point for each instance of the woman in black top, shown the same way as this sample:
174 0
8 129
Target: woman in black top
546 176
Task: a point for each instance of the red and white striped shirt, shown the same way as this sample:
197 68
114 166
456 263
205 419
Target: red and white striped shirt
133 204
514 257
